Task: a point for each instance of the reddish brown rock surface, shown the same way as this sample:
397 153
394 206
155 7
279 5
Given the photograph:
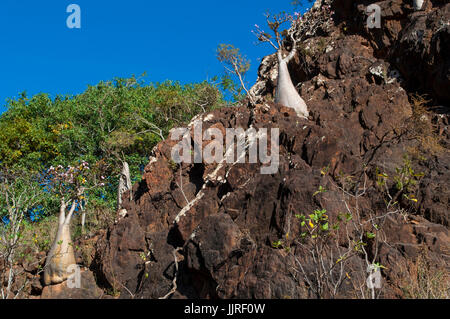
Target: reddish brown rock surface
88 289
357 83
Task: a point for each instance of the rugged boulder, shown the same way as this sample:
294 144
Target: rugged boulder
371 147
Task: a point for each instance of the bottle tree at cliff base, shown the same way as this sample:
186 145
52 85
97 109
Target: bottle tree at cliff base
70 185
286 93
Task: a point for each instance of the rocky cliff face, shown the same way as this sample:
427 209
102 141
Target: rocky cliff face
226 231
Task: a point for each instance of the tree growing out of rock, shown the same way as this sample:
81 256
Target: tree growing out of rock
114 146
235 64
70 185
286 93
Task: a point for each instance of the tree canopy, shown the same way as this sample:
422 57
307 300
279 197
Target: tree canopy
118 120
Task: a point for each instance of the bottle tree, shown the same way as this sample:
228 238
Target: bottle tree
70 185
286 93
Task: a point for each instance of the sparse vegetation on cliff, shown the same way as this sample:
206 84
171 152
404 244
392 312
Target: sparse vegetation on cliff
357 206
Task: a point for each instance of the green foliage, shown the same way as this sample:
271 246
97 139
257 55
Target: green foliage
404 180
320 190
277 244
333 243
236 66
231 87
44 141
19 192
231 56
370 235
116 120
315 224
115 116
35 237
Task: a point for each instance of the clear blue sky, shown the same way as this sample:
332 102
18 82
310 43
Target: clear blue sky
173 40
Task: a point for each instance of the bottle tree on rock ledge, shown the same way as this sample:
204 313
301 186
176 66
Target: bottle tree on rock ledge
286 93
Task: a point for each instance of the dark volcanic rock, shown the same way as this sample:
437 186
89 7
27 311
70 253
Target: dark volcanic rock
217 223
422 52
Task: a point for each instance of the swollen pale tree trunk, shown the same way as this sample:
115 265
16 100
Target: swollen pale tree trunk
61 254
83 217
83 220
418 4
286 93
124 184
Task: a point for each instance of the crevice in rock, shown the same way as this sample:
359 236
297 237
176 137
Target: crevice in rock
100 276
174 237
224 189
196 176
273 221
142 189
201 278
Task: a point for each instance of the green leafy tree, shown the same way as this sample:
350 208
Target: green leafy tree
20 191
236 66
114 121
110 123
70 186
